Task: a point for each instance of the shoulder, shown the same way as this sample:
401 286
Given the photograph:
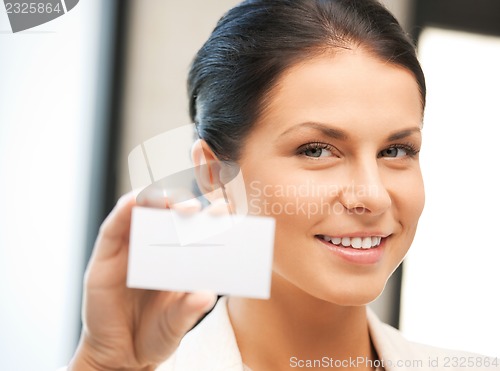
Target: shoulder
402 354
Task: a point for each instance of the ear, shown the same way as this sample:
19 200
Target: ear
207 170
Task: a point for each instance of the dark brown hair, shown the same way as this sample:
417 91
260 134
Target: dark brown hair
257 40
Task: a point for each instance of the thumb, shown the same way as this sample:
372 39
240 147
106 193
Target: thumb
187 311
162 339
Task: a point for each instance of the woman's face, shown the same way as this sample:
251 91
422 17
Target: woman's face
334 159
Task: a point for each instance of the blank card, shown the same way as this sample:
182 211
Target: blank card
235 259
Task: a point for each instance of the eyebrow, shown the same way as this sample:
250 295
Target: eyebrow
323 128
339 134
401 134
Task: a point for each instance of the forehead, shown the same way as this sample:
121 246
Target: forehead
350 87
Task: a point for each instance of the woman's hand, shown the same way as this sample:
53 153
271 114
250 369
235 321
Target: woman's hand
127 328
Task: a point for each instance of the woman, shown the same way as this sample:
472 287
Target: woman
322 94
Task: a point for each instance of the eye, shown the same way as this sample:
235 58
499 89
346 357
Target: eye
316 150
398 151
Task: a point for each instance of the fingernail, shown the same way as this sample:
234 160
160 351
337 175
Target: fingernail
187 206
152 197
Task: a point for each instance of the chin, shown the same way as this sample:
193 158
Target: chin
339 289
354 297
349 294
357 299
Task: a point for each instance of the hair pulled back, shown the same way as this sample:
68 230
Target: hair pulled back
256 41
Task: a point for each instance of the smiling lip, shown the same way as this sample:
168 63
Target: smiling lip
370 255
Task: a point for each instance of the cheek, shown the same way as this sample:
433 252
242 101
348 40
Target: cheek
408 198
412 198
286 197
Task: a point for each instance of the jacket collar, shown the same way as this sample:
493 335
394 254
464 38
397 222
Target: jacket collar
212 344
390 344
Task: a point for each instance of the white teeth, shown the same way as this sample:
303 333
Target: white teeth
336 240
366 243
354 242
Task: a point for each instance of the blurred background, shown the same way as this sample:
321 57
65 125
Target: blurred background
79 93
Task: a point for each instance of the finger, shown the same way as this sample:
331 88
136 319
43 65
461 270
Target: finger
116 228
187 207
153 196
218 207
183 201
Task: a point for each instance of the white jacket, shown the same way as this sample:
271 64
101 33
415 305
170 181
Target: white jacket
211 346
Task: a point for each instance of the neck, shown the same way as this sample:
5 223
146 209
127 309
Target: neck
294 326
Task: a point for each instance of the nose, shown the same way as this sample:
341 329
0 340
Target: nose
366 192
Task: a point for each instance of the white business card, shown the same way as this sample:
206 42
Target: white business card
235 259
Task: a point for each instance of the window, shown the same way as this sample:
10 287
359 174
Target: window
53 96
450 296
